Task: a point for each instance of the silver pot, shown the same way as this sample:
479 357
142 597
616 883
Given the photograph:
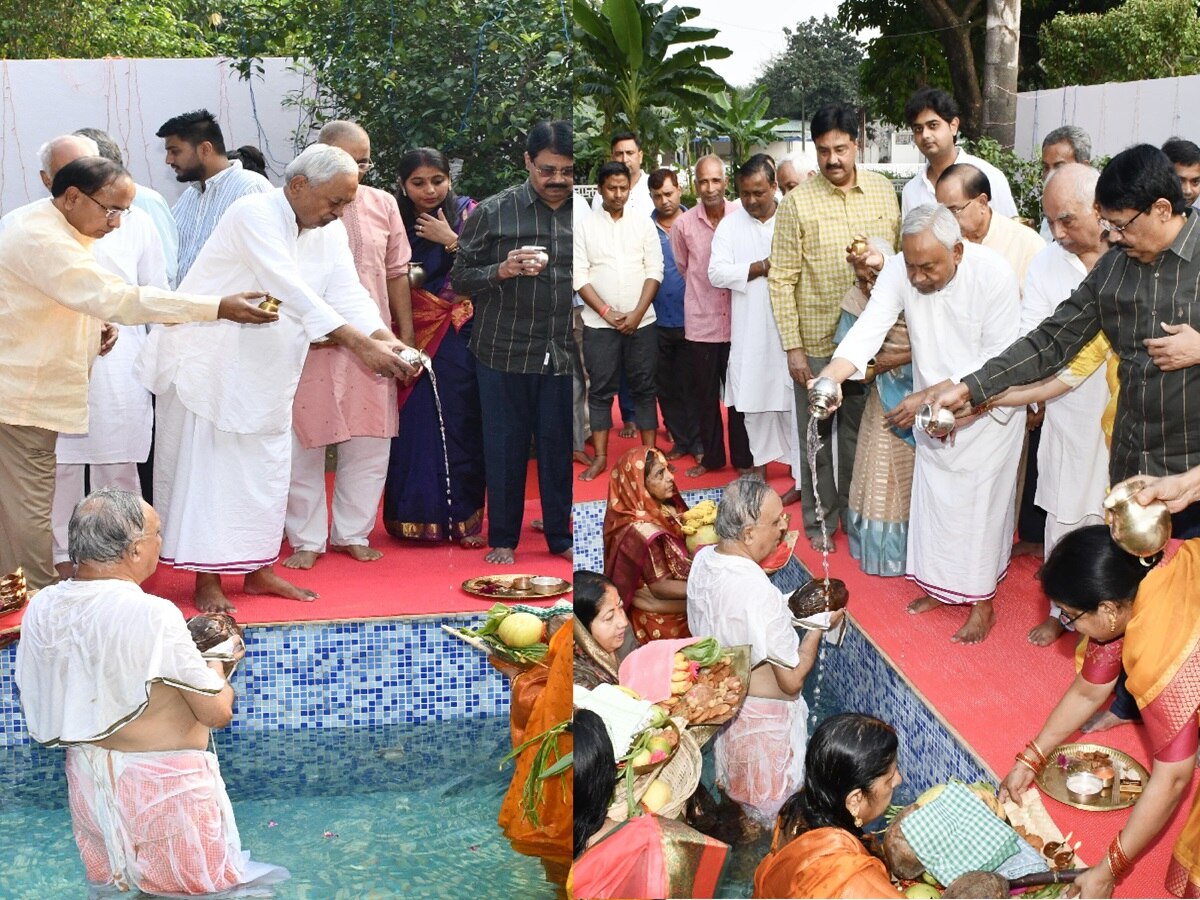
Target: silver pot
822 398
938 426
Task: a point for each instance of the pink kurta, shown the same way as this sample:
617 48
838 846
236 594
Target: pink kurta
340 398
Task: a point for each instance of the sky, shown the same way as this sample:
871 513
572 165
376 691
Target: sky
753 30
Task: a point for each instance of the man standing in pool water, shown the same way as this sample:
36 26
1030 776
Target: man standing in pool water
112 674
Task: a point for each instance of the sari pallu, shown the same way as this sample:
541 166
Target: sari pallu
415 505
824 862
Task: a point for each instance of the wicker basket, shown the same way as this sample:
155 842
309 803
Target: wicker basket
13 592
810 599
681 772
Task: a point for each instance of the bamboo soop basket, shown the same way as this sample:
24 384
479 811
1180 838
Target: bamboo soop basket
681 772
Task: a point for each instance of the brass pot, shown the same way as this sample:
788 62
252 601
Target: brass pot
270 304
416 275
1140 530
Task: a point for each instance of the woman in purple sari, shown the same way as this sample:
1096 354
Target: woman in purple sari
415 502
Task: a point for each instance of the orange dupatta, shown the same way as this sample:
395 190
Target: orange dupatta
824 862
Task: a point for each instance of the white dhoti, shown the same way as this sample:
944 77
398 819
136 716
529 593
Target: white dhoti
160 823
963 507
221 495
760 755
68 491
362 464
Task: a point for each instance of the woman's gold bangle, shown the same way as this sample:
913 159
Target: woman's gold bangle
1030 766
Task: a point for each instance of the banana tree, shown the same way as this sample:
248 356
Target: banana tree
741 119
631 64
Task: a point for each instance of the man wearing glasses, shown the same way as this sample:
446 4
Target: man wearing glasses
1142 296
514 261
56 297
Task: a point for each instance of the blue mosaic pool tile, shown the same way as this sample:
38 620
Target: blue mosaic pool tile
338 675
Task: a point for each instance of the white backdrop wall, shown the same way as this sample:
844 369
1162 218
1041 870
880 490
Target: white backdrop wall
130 99
1115 115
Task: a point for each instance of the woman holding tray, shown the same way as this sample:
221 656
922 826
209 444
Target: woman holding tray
1149 617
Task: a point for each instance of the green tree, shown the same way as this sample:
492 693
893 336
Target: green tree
819 65
79 29
741 118
633 66
1142 39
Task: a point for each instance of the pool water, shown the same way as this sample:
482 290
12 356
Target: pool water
397 811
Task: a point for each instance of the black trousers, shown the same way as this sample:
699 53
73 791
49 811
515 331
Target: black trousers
673 378
706 366
608 355
516 409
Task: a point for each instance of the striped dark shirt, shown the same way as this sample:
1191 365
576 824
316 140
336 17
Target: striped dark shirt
522 324
1157 428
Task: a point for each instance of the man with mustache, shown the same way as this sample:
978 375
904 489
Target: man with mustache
808 276
195 151
933 116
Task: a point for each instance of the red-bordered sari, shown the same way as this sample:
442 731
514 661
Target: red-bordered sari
643 544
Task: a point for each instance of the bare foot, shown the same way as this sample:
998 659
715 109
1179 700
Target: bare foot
599 464
265 581
696 471
629 430
501 556
978 624
568 554
582 457
792 496
1029 548
537 525
822 544
675 453
924 603
1102 721
472 542
65 569
360 552
208 596
301 559
1046 633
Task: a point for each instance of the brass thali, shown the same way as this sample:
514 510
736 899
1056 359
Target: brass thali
1053 777
501 587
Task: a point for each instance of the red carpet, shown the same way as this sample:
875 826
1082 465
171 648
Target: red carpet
995 695
413 578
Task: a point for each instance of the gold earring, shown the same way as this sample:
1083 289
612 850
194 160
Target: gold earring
857 822
1112 622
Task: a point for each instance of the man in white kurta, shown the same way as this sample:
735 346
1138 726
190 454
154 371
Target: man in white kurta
961 306
223 452
757 383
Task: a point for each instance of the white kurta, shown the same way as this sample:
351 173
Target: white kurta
964 491
757 382
1072 455
226 390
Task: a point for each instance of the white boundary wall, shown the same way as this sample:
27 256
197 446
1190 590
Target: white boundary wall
130 98
1114 115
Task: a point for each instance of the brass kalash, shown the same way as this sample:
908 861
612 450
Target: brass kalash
1140 530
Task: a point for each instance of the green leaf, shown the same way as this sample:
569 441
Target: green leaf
625 19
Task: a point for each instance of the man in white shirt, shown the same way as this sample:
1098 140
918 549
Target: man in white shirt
757 383
960 303
626 148
195 150
223 451
933 116
618 267
112 674
760 754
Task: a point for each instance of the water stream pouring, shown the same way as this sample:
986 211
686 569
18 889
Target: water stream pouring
418 358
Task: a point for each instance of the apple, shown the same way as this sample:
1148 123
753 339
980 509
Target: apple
640 759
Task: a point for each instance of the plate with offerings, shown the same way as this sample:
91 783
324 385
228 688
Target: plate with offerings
516 587
1092 776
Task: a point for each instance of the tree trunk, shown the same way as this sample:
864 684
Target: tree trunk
955 39
1000 71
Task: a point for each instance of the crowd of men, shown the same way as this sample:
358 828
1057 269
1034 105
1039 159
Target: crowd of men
255 279
731 313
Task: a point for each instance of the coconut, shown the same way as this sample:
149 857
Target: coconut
520 629
978 884
901 861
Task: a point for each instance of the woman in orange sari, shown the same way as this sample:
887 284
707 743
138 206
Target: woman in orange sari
644 550
1150 619
435 486
541 703
818 849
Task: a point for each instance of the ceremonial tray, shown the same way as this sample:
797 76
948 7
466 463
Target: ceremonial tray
1053 778
500 587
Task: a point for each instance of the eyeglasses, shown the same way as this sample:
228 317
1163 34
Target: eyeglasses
958 209
1070 620
551 171
1120 229
111 213
365 165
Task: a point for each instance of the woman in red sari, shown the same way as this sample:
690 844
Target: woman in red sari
644 550
415 501
1149 618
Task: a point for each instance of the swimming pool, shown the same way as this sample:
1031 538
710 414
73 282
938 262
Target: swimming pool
378 812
